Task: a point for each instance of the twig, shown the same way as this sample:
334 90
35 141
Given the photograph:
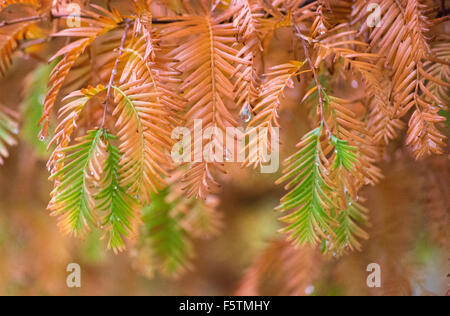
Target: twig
399 5
319 86
114 70
51 17
37 41
438 60
22 20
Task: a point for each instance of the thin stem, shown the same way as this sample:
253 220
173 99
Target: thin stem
114 70
51 17
21 20
319 86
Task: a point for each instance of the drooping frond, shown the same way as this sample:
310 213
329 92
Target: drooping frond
249 20
439 72
348 231
426 132
322 202
254 32
249 23
144 27
381 119
95 65
207 60
424 137
350 214
403 38
97 25
72 199
69 115
114 201
308 201
266 110
155 71
144 135
347 126
435 193
9 128
201 218
9 41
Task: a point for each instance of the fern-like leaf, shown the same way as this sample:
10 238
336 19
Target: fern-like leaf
72 196
144 136
69 115
10 37
164 245
98 25
348 232
208 61
309 199
114 200
268 104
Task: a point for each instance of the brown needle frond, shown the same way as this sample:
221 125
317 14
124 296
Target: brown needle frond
207 59
97 26
266 109
68 116
146 106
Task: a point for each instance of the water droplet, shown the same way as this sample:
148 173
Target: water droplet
246 114
115 187
42 137
355 84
